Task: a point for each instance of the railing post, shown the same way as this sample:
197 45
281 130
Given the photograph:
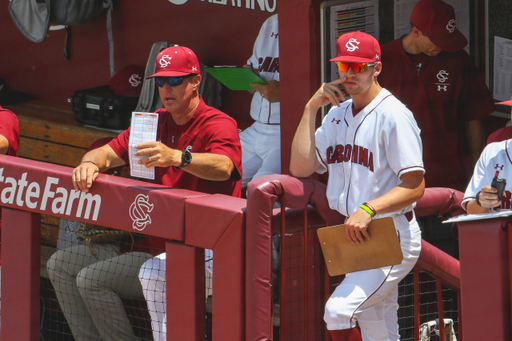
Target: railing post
416 304
185 290
305 271
440 307
21 258
282 301
509 239
484 270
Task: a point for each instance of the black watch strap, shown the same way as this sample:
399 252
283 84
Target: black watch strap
186 159
477 199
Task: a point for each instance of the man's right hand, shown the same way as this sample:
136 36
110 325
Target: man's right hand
488 197
84 175
328 93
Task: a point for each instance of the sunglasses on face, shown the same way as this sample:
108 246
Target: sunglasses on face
172 81
357 67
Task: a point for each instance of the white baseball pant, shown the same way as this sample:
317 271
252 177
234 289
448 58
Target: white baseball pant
261 151
370 298
152 279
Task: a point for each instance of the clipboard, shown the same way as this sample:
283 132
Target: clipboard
342 257
235 77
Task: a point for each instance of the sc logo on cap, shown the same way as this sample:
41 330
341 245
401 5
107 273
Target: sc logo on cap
350 45
164 61
451 26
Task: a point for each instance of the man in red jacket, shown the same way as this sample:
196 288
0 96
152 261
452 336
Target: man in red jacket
197 148
429 71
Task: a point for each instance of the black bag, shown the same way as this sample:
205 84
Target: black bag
33 17
101 107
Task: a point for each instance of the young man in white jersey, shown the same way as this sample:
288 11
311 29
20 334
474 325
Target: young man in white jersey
495 161
261 142
371 147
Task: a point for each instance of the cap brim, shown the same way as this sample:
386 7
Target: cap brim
169 74
349 59
509 103
456 41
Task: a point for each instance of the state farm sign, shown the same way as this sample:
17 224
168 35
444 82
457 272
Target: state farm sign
48 195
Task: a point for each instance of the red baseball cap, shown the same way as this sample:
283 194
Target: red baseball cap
357 47
128 81
176 61
436 19
509 102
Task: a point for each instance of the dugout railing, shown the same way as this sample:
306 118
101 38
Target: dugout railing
240 233
190 221
303 209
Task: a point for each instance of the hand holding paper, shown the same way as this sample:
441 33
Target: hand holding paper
143 129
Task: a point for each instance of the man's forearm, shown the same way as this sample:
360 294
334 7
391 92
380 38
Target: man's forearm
408 192
303 161
208 166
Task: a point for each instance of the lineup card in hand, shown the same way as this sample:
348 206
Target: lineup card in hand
143 129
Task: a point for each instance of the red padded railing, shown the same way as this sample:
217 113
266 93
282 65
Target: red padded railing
298 194
190 221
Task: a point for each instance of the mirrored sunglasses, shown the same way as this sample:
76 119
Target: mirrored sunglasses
172 81
357 67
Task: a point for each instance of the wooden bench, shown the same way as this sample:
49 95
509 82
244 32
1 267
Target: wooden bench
50 133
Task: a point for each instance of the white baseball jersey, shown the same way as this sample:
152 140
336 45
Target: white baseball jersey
265 59
496 159
367 154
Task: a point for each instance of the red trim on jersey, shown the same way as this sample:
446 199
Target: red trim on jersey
506 150
320 157
356 111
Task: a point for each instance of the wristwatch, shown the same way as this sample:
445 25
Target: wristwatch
186 159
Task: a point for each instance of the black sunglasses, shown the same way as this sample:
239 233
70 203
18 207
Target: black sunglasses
172 81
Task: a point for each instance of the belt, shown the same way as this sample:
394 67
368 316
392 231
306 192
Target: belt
409 215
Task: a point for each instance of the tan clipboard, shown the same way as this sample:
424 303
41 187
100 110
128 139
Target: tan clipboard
342 257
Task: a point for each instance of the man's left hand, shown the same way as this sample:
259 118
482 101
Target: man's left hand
269 91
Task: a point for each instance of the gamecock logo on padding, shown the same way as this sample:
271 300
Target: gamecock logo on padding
139 212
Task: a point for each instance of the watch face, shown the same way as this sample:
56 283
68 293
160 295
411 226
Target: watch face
187 157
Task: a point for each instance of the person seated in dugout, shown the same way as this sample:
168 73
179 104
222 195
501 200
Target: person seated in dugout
68 227
504 133
492 176
197 148
9 142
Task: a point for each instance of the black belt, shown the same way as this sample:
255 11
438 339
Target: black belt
409 215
